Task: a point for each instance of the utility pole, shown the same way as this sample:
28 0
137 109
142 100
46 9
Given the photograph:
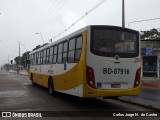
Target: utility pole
8 64
123 14
19 56
8 59
26 58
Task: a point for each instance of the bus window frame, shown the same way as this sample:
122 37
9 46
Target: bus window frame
41 61
39 57
75 49
54 53
59 62
51 55
44 56
65 41
109 54
47 55
73 38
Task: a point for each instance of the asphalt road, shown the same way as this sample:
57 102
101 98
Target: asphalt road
17 94
148 96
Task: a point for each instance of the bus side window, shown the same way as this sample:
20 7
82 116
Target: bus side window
71 52
60 46
51 55
78 48
65 48
34 59
37 55
55 54
30 58
47 56
44 56
41 62
39 59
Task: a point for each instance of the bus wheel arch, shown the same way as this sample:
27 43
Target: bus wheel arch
51 90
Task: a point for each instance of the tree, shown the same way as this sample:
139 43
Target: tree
7 66
11 62
16 59
38 46
25 58
152 34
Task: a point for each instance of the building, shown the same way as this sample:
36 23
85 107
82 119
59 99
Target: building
150 51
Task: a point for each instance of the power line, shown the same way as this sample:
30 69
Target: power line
86 13
142 21
51 11
43 16
56 11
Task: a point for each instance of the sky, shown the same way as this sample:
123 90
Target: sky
21 19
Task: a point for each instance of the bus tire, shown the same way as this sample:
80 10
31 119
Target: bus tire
33 83
51 90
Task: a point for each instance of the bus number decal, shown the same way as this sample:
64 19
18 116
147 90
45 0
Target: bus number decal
115 71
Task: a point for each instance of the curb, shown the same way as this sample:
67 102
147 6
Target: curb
150 85
25 74
21 73
139 104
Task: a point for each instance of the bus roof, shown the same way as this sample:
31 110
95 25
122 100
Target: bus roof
61 39
73 34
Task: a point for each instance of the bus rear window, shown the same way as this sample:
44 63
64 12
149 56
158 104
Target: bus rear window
112 42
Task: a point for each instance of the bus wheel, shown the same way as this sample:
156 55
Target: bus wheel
51 87
33 83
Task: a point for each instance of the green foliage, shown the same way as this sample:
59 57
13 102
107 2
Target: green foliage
38 46
152 34
16 59
11 62
23 59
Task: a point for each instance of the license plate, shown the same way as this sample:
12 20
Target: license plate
116 85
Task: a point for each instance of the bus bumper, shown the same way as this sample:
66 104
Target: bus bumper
93 93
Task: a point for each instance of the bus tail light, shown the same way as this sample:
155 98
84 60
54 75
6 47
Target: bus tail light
90 77
137 77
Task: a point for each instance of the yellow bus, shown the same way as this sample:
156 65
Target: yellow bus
95 61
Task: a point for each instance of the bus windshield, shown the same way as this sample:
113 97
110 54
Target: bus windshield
110 42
